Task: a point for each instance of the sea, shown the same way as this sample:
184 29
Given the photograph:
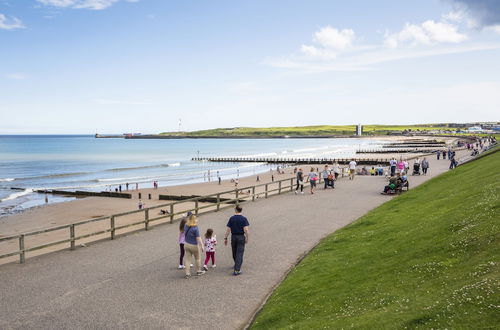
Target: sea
83 162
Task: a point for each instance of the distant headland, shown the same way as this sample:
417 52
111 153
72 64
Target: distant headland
319 131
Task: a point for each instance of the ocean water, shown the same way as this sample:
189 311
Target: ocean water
82 162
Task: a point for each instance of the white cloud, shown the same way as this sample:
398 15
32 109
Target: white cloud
322 53
494 28
329 43
332 38
82 4
16 76
454 16
427 33
10 24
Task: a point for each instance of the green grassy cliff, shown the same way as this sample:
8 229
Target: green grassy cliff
426 259
307 130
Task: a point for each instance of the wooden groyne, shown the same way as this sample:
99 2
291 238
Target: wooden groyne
397 150
86 193
270 160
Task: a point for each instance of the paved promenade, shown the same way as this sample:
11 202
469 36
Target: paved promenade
132 282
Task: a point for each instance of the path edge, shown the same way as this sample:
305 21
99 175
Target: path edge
301 257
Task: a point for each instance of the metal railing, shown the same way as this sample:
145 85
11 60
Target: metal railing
241 195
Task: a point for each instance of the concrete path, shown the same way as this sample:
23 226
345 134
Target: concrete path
133 282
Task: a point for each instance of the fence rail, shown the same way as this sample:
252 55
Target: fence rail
241 195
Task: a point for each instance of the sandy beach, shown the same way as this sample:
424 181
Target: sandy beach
58 214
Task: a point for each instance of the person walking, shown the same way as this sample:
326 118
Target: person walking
210 243
438 154
313 178
325 175
193 244
336 170
393 163
425 166
300 182
182 241
240 234
352 169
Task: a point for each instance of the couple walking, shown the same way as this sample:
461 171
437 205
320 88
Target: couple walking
190 242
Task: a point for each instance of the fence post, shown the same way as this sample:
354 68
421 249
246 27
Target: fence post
112 227
237 193
266 190
279 187
196 207
291 184
218 202
171 213
146 219
72 236
253 194
21 248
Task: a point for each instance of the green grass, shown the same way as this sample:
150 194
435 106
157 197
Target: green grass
307 130
426 259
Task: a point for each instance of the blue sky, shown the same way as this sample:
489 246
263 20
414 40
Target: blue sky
112 66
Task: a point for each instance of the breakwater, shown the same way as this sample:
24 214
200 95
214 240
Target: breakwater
279 160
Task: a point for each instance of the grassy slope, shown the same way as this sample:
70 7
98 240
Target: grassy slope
426 259
303 130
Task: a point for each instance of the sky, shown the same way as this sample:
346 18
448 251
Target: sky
150 66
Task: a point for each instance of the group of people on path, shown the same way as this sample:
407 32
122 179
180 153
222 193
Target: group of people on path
191 244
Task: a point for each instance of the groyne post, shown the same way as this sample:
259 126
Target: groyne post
237 193
146 218
279 187
253 194
291 184
21 249
218 202
266 190
171 213
196 207
72 236
112 223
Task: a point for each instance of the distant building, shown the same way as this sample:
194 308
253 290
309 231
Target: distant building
475 129
359 130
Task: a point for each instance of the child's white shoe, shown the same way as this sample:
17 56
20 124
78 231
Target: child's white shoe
181 267
213 266
205 267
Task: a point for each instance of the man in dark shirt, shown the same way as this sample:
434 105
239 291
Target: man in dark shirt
238 227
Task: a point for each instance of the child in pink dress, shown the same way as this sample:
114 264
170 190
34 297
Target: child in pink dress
210 243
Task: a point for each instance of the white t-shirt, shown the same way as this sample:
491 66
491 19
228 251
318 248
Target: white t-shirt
352 165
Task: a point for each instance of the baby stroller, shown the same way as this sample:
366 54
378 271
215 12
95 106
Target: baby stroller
416 169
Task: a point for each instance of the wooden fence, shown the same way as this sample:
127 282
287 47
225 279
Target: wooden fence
176 210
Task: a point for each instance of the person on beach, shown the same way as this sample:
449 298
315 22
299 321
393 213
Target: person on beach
210 243
352 169
438 154
192 245
407 166
313 177
126 185
219 180
136 186
300 182
141 205
444 154
425 166
240 234
182 241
